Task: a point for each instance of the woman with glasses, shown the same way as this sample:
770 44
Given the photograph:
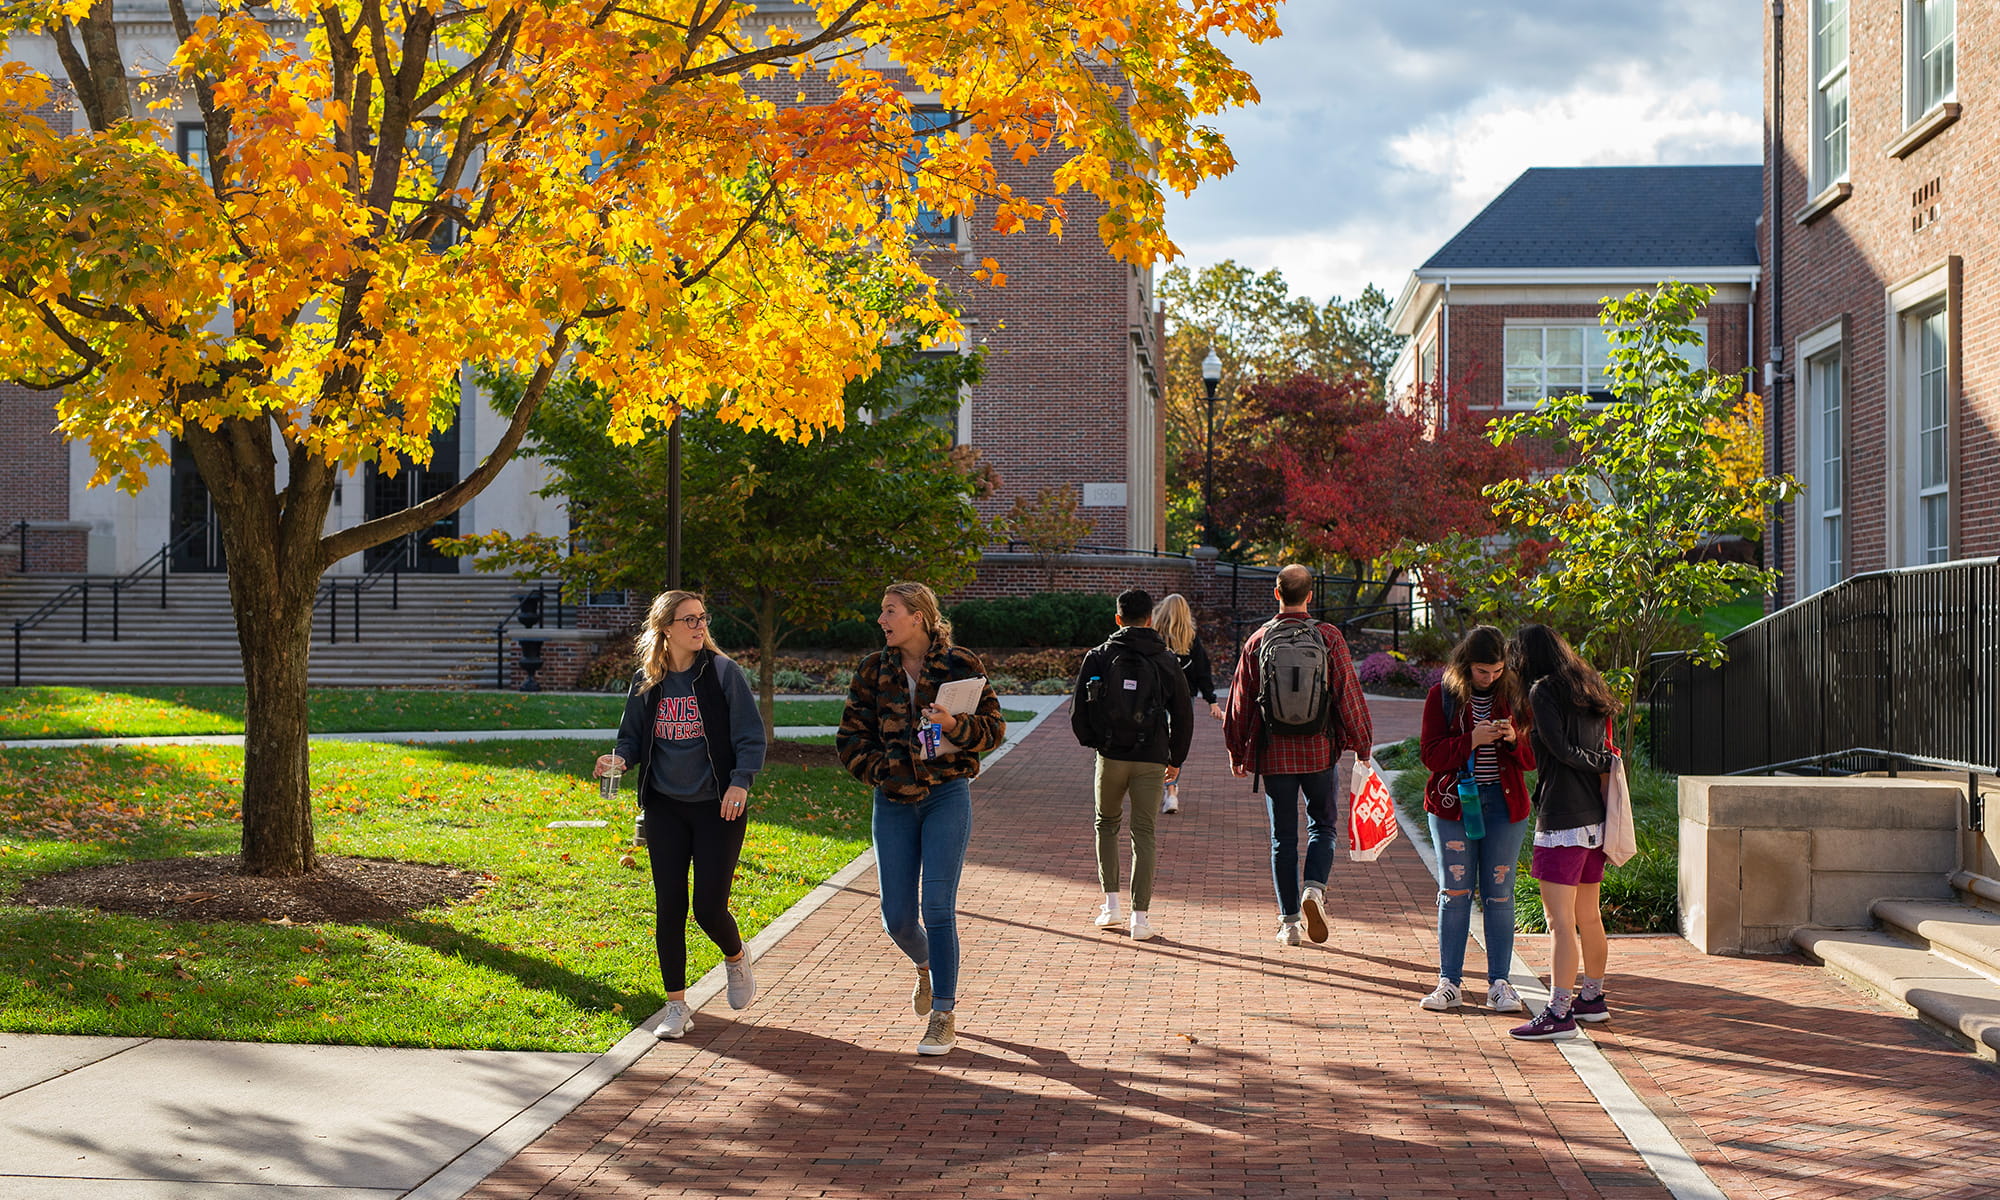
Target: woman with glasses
923 797
693 732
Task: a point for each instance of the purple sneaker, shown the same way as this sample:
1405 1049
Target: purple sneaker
1546 1027
1592 1010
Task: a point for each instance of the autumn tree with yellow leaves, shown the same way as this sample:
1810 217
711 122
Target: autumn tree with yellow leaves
702 202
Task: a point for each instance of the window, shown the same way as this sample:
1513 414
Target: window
1829 72
1561 360
1933 439
937 226
1825 462
191 146
1931 37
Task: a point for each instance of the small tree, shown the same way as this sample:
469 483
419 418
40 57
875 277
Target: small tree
1049 526
1649 481
798 533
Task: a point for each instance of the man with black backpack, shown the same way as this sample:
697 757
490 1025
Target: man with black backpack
1294 706
1131 706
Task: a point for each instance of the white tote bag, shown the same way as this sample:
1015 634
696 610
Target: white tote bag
1621 840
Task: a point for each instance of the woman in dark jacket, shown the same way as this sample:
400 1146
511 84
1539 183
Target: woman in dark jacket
692 730
923 803
1175 622
1468 731
1569 708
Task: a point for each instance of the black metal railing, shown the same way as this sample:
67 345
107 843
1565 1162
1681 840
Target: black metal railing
1019 547
389 566
1891 667
79 593
532 610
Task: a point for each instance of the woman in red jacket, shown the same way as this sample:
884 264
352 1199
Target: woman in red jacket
1470 743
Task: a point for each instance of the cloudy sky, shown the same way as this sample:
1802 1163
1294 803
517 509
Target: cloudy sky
1387 124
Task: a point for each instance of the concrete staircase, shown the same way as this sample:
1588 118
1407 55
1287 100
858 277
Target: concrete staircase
440 634
1936 959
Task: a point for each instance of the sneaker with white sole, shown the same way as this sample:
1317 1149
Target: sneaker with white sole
940 1036
1142 927
1171 802
1314 906
677 1021
1546 1027
1445 997
742 981
1288 933
1502 998
920 996
1108 917
1595 1009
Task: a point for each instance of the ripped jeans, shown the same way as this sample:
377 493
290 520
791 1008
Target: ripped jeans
1491 861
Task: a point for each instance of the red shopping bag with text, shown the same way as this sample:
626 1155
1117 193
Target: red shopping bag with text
1371 815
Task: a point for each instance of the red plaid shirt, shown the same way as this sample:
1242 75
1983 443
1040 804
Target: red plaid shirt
1283 754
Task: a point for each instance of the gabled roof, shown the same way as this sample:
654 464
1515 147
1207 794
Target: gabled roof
1572 217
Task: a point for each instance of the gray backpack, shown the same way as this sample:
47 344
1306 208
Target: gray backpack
1292 662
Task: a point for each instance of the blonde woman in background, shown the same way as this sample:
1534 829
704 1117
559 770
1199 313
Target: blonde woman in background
693 731
1174 620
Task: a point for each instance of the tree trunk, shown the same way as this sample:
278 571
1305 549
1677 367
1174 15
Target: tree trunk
274 629
767 660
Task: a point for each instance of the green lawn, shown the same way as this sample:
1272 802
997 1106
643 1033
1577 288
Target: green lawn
1639 897
556 955
1725 619
64 712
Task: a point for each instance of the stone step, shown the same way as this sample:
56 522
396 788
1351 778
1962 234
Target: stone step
1962 1002
1961 934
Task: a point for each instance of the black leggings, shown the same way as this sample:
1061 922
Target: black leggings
678 835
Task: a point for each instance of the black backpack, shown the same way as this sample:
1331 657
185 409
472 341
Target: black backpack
1126 700
1292 663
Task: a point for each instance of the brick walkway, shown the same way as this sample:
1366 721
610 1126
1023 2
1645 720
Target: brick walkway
1213 1061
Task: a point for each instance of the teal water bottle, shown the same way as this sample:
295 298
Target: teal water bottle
1472 811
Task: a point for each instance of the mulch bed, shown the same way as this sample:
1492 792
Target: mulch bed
208 888
800 754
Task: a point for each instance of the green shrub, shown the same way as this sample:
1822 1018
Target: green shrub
1004 685
1051 687
1048 619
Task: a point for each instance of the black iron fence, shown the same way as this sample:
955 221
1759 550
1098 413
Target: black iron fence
1892 667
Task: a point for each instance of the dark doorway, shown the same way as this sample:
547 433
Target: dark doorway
191 525
413 485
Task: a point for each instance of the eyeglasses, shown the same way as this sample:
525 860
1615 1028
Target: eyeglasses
693 620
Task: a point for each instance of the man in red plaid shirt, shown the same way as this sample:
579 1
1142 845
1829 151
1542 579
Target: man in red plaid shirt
1294 765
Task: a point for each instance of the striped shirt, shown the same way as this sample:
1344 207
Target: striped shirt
1486 758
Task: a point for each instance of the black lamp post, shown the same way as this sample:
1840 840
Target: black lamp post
1211 374
674 504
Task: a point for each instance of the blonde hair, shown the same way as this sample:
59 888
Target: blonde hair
922 601
653 657
1175 621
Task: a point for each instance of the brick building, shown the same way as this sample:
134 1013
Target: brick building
1506 312
1882 310
1071 394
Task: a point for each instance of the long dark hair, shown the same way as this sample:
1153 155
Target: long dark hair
1482 644
1537 653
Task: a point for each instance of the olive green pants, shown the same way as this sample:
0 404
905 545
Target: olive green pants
1145 783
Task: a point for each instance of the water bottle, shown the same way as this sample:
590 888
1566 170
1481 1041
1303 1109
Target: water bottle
1472 810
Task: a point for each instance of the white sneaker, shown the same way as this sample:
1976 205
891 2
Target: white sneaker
679 1019
742 982
1171 803
1314 906
1501 997
940 1036
1288 933
1443 998
1142 929
1108 916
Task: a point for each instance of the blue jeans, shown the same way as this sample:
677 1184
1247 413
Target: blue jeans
1491 861
1281 799
920 851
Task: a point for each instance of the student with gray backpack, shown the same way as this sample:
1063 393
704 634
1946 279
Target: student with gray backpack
1131 706
1294 705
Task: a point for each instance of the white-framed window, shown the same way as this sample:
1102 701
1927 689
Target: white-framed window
1823 459
1829 106
1930 38
1561 358
1932 413
931 225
